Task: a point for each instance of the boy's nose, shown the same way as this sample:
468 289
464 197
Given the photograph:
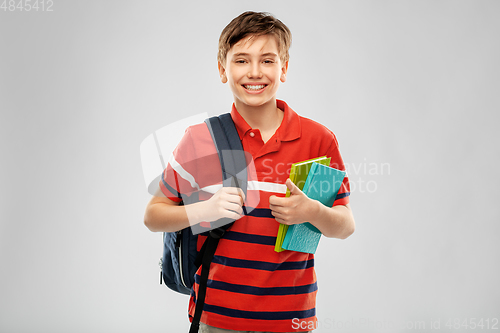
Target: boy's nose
254 72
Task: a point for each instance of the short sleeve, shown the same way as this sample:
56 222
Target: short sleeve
337 163
193 166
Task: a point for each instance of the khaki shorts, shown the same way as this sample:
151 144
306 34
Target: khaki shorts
210 329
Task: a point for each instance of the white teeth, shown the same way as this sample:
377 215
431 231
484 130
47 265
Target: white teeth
254 87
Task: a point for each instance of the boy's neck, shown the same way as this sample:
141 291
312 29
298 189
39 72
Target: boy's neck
266 118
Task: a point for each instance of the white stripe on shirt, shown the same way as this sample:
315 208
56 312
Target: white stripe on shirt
253 185
183 173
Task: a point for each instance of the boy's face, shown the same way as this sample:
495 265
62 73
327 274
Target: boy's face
254 70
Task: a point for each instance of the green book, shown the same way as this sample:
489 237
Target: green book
322 184
298 175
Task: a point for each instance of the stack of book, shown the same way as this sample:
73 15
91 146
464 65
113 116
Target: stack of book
320 182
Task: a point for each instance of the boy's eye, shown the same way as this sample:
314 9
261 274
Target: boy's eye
240 61
268 61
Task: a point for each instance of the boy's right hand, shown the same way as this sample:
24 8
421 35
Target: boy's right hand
226 202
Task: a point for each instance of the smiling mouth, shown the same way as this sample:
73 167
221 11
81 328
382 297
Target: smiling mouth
254 87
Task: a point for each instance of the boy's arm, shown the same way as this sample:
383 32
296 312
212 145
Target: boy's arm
336 221
165 215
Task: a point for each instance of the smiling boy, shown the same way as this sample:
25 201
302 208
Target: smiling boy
253 69
251 287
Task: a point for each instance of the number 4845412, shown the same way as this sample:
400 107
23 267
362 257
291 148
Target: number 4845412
27 5
473 323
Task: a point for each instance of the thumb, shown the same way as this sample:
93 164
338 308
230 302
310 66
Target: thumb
292 187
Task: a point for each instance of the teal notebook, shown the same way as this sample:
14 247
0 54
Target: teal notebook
322 184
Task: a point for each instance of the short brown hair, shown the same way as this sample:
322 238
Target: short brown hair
254 24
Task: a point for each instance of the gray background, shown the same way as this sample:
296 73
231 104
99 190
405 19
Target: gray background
411 89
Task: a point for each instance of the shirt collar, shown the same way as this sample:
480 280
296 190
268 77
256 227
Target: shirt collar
289 129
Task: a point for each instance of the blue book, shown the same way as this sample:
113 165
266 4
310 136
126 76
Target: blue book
322 184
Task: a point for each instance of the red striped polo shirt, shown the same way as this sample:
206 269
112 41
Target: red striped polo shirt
251 287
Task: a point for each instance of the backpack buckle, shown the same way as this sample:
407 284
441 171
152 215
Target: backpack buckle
217 233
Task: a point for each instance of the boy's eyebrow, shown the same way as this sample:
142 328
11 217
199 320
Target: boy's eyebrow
243 54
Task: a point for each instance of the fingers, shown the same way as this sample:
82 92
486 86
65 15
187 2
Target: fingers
294 190
281 218
284 210
276 212
290 185
241 194
275 208
231 209
228 202
276 201
235 207
235 194
280 201
230 214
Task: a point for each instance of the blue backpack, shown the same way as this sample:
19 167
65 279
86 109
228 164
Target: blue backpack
181 259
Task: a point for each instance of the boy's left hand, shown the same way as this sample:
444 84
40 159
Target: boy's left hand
297 208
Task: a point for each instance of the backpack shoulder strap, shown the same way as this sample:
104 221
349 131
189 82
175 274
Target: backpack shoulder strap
234 174
231 154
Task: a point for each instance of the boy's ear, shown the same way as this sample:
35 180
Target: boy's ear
284 69
222 72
